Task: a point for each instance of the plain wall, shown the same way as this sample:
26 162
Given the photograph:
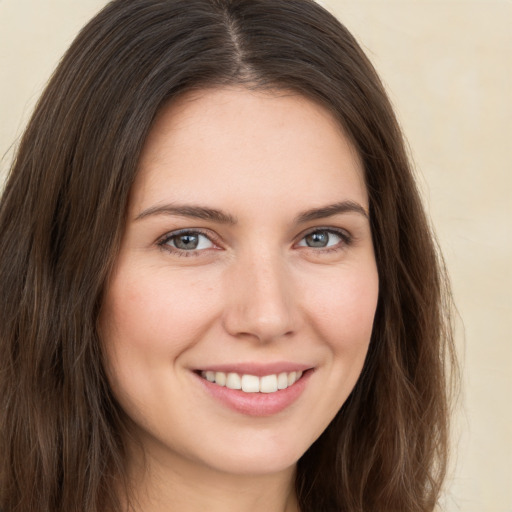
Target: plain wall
448 68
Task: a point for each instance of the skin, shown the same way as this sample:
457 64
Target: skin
252 290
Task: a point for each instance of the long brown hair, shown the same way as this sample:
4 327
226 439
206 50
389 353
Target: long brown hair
63 212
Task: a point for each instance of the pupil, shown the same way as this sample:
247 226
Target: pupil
186 242
317 239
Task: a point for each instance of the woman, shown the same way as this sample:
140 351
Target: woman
219 288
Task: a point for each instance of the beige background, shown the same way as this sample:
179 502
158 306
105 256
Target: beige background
448 68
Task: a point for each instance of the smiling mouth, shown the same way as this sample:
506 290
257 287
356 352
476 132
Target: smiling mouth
252 383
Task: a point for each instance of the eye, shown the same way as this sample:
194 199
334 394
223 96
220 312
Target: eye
324 239
187 241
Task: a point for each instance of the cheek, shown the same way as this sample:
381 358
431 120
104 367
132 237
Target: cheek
343 310
145 325
143 311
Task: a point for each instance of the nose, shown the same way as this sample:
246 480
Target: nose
260 302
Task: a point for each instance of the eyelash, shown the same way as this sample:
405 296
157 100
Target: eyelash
163 243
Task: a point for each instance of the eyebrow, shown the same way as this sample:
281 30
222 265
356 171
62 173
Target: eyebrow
330 210
220 217
192 211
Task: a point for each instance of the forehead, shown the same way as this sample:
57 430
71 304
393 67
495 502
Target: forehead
257 144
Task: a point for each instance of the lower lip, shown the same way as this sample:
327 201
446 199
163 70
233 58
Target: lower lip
257 404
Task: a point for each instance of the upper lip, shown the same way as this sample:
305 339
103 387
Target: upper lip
257 369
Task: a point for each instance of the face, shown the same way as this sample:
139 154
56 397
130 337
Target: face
247 261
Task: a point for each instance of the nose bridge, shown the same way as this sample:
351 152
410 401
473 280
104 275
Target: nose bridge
261 302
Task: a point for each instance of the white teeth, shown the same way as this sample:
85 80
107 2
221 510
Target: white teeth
268 384
233 381
252 383
282 381
220 378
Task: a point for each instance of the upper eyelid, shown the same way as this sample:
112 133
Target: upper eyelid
161 241
339 231
208 233
184 231
325 228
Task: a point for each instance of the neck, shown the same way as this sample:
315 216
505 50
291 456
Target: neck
184 486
